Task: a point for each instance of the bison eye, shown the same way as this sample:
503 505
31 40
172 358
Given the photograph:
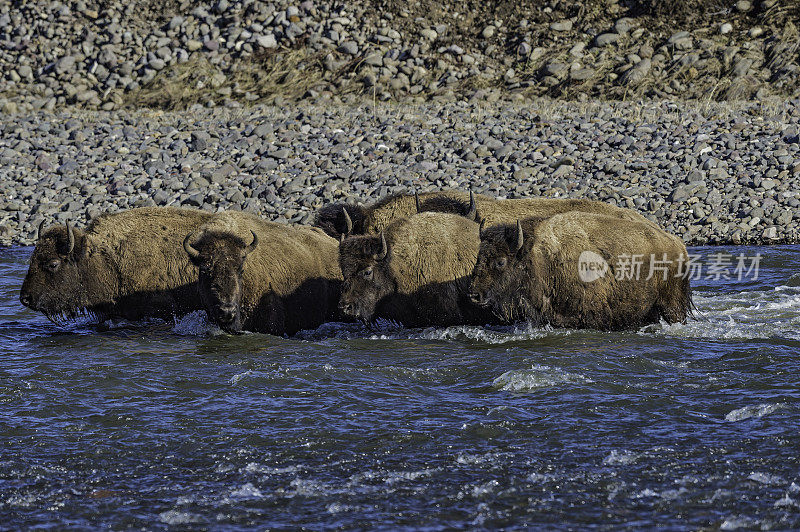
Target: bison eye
367 273
53 265
501 263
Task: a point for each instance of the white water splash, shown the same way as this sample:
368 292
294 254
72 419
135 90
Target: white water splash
254 467
303 487
527 380
393 477
239 376
766 478
247 491
490 334
476 459
477 491
623 457
540 478
194 324
786 502
747 412
175 517
737 522
485 489
23 501
336 508
224 468
739 316
736 316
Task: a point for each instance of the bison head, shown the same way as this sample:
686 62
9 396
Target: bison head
364 261
58 281
220 256
499 275
340 219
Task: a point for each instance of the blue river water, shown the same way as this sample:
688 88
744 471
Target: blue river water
176 425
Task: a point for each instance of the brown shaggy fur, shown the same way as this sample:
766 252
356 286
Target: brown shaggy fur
509 211
288 282
423 279
125 265
374 218
540 282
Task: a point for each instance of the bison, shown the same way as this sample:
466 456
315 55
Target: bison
342 219
128 265
580 270
263 276
415 272
489 213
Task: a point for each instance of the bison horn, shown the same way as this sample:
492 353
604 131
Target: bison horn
70 239
348 223
472 213
41 227
416 202
384 248
253 244
520 238
187 245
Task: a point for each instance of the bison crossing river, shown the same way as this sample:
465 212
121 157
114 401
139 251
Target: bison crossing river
433 259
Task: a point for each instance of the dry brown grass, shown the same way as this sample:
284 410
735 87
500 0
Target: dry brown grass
293 73
290 74
784 50
177 86
678 9
286 73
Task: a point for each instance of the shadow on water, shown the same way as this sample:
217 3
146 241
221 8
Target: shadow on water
161 424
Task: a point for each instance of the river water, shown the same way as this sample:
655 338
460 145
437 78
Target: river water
159 424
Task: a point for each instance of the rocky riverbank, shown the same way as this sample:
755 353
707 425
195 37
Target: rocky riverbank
710 173
168 54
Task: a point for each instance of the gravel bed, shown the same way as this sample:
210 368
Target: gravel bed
712 173
104 54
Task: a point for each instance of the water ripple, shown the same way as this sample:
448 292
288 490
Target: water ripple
175 424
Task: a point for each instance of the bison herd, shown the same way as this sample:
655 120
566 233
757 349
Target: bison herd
433 259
